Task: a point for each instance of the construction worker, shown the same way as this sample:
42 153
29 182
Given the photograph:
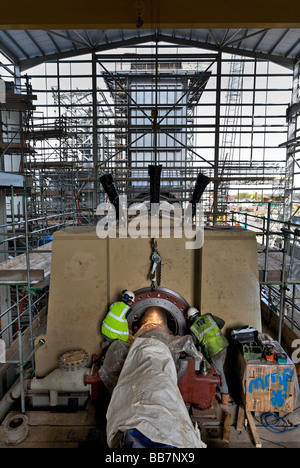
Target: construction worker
115 324
207 335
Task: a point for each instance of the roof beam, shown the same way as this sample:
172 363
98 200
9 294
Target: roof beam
230 39
284 61
66 37
31 62
9 36
260 39
87 43
293 47
8 53
246 36
278 41
35 42
53 42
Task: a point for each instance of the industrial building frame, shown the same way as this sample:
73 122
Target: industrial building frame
256 127
244 128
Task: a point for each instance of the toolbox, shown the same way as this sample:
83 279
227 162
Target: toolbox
252 351
246 334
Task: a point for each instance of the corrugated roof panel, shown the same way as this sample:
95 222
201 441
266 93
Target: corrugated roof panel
40 45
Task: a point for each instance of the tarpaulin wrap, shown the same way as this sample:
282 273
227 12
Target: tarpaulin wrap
184 344
147 398
118 350
114 360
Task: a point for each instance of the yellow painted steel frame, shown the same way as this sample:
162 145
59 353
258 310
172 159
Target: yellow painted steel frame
120 14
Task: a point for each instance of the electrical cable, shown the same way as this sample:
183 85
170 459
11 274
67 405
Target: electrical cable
274 425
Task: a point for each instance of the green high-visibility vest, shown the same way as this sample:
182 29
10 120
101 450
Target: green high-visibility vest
209 335
115 325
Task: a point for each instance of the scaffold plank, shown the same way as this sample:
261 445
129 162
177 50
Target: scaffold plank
14 271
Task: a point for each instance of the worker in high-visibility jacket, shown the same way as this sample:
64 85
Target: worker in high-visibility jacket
207 335
115 325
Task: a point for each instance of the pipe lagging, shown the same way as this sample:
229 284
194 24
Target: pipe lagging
10 397
14 393
62 380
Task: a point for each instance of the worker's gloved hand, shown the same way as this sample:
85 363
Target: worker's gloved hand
185 344
199 356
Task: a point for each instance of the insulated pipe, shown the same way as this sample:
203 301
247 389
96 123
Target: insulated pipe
155 408
201 183
10 398
154 173
61 380
109 186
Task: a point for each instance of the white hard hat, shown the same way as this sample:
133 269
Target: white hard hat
191 312
128 295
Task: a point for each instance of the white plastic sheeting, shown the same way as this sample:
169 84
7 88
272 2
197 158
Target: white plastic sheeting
147 398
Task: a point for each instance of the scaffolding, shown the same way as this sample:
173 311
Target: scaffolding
231 123
27 222
191 112
76 108
279 267
211 118
137 109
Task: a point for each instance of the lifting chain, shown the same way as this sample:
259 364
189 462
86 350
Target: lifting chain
155 273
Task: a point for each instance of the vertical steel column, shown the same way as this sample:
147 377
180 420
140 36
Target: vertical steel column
17 76
293 307
267 243
253 110
43 204
58 100
21 358
155 110
12 208
286 233
95 132
4 290
217 138
28 266
290 156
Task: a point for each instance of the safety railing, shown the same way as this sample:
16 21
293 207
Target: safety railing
26 301
279 241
